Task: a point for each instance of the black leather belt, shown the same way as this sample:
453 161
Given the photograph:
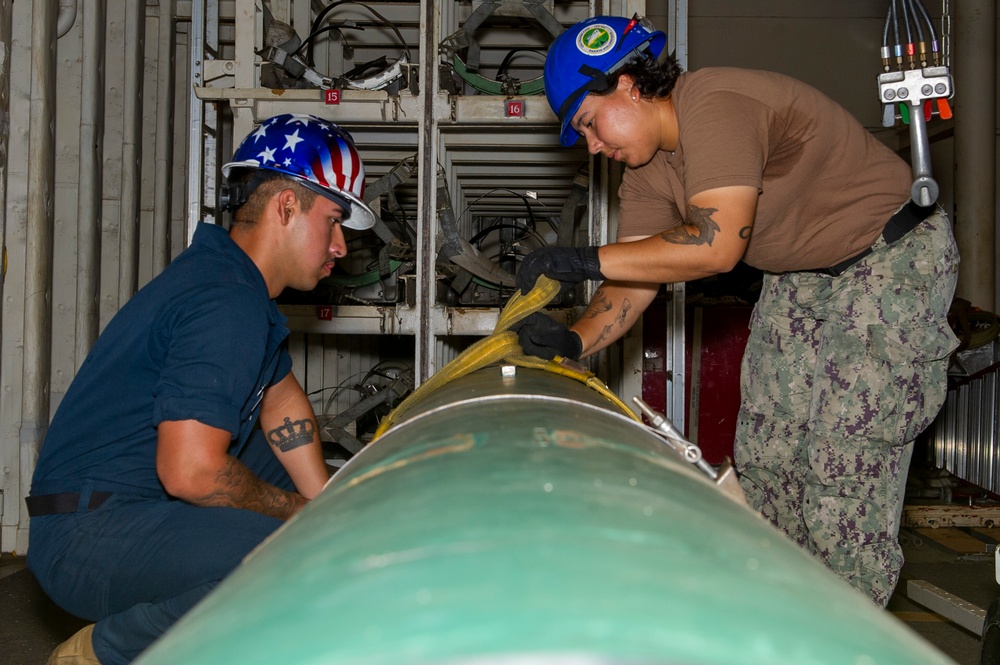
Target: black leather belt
904 221
67 502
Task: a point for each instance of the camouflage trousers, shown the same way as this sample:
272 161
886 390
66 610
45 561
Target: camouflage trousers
839 377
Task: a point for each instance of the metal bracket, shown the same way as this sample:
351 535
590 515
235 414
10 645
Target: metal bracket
914 87
337 426
948 605
677 441
724 477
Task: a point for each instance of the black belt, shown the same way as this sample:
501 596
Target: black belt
904 221
67 502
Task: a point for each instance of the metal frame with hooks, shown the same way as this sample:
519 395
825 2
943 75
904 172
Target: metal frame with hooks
441 128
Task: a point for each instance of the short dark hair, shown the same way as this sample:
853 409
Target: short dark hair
654 78
271 183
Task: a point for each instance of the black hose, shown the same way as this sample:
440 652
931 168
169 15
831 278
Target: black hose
916 19
505 63
527 204
333 27
930 24
895 24
496 226
314 30
885 27
330 7
906 24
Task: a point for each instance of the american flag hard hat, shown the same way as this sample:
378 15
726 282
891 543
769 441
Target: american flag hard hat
313 150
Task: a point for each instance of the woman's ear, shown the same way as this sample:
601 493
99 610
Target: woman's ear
627 84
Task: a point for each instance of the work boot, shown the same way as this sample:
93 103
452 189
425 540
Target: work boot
77 650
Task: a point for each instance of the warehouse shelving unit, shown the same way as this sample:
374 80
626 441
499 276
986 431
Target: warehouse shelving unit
491 156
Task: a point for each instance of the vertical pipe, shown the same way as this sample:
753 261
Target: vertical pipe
677 27
39 233
990 432
974 442
962 438
88 239
164 149
5 44
974 65
427 194
677 376
8 481
128 269
196 47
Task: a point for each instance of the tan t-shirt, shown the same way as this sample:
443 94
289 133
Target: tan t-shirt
827 186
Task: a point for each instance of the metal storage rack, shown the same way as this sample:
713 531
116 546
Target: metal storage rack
471 147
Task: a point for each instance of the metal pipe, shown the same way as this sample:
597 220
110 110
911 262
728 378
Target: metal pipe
10 498
974 66
516 516
39 233
128 238
164 149
195 173
91 175
427 193
5 56
924 190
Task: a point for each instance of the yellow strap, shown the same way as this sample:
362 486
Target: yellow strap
503 345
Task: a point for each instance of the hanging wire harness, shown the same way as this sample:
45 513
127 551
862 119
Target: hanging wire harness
463 40
916 78
294 56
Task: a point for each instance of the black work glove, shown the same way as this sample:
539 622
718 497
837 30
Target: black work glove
546 338
569 265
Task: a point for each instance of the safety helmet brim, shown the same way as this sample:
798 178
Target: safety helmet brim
360 217
357 214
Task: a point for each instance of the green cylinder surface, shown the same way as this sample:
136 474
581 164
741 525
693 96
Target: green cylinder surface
522 519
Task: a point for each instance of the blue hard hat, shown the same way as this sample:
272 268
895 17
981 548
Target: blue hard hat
581 59
315 152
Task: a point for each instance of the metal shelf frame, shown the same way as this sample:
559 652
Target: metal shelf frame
471 136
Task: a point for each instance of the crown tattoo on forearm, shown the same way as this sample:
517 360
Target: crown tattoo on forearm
291 435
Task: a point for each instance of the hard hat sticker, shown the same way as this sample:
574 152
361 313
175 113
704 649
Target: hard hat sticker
598 39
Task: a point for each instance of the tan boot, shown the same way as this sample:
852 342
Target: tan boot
77 650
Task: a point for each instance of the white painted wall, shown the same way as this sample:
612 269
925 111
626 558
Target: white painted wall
127 166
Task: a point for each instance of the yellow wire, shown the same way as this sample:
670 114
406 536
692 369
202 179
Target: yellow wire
504 345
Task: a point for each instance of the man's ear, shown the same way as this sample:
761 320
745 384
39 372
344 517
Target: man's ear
286 201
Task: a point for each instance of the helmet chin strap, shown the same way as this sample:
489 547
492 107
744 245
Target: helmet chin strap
599 80
235 192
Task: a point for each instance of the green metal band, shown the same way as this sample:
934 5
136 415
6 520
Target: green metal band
535 86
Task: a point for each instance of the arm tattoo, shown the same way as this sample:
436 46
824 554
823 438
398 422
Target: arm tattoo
620 321
701 220
599 304
237 487
291 435
623 314
745 233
